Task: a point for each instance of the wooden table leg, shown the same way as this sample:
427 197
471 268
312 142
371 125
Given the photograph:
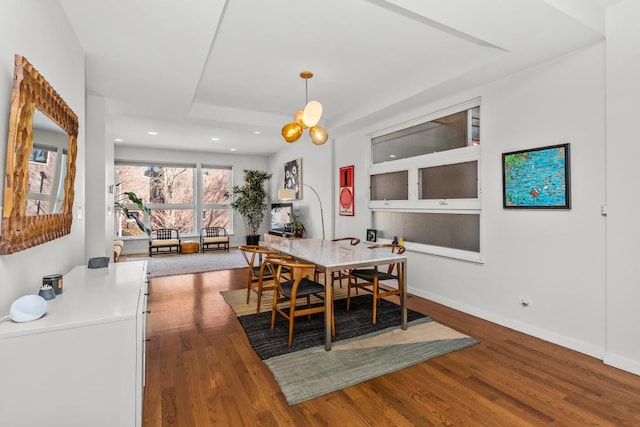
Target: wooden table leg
403 283
328 309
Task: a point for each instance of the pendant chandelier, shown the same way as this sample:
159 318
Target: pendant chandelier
307 118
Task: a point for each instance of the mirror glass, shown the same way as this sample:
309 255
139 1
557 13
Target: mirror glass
40 164
47 167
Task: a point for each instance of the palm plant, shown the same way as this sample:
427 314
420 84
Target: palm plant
121 205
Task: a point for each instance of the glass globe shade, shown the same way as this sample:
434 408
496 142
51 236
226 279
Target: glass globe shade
291 132
312 113
318 135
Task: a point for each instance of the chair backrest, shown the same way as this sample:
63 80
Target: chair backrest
251 252
278 264
164 234
213 232
395 248
352 240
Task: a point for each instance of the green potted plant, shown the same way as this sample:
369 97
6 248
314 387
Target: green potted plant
250 201
295 225
131 198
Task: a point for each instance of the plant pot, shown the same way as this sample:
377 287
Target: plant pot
253 239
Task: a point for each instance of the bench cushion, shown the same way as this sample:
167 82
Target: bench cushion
165 242
222 239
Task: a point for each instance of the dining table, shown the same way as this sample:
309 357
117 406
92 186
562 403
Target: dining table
330 256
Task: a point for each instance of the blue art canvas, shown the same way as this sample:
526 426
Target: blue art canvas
537 178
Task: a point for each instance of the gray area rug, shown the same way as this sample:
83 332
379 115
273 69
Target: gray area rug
172 265
360 350
309 333
310 373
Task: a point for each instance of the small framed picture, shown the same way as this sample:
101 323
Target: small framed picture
293 177
372 235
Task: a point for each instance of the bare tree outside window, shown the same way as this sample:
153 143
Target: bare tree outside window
166 190
215 201
170 192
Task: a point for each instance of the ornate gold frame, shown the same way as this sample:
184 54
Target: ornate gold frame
31 91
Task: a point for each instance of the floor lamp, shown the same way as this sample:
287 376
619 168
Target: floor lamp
289 194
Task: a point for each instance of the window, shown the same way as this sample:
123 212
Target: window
440 134
167 190
216 185
425 183
174 193
47 168
390 186
452 181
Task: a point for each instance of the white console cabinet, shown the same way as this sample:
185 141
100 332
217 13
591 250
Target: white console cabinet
82 363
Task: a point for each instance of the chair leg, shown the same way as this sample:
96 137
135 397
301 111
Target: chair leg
249 287
339 276
260 290
273 309
259 296
292 318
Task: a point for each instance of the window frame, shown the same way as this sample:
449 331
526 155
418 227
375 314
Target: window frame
202 206
416 205
56 196
196 206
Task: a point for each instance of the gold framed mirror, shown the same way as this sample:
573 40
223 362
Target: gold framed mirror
29 217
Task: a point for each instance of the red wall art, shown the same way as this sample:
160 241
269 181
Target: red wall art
346 194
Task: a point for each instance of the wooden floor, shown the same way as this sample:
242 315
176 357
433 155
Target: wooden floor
201 371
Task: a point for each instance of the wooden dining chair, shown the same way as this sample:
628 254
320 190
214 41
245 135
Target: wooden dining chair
297 286
369 279
259 279
338 276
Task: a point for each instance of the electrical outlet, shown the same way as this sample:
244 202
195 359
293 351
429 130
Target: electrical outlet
525 302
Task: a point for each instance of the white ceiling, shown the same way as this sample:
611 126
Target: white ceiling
196 69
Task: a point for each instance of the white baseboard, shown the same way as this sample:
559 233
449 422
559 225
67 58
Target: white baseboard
543 334
622 363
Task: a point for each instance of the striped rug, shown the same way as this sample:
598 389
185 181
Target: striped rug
307 370
314 372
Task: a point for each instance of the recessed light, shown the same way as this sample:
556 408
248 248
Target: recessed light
232 149
119 140
393 156
256 132
152 132
215 139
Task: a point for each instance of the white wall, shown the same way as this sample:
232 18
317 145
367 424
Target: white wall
554 258
316 172
238 162
623 152
99 160
352 150
39 31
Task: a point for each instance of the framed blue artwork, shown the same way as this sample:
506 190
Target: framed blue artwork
538 178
